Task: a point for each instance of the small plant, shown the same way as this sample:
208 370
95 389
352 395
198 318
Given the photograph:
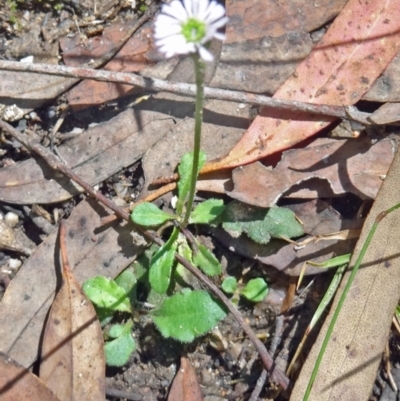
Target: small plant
255 290
181 312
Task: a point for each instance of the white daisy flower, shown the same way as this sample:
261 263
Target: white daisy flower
186 26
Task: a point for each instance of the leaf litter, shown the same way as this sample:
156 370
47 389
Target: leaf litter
227 185
72 355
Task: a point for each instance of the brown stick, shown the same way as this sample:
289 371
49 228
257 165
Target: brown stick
153 84
56 165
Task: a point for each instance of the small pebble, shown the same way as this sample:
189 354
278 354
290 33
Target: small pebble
14 264
11 218
28 59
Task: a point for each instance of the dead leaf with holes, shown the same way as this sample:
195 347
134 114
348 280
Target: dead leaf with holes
73 361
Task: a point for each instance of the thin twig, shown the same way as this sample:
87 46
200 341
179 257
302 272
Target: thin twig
158 85
56 165
274 345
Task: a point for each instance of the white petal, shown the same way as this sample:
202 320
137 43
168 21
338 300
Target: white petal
202 10
215 12
220 36
164 33
165 26
188 7
176 10
205 54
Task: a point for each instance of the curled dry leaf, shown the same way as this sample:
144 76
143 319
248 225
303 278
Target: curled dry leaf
185 386
19 384
73 361
354 165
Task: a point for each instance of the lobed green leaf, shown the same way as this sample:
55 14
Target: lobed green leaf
187 315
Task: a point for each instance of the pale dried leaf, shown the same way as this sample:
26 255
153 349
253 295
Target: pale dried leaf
350 362
19 384
73 360
94 155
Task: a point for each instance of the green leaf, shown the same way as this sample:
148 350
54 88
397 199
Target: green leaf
148 215
185 173
119 350
207 211
260 224
256 290
107 294
161 267
229 285
187 315
207 261
127 281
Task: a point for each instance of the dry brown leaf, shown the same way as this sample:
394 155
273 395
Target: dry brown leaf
351 360
221 130
388 113
19 384
387 87
94 155
93 250
73 362
251 19
28 90
185 386
349 166
318 218
266 40
133 57
338 71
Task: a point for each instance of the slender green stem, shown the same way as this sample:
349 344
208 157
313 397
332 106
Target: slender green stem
199 71
343 297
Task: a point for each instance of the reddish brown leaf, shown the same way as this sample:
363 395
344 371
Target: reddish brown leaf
356 49
73 361
133 57
249 19
354 165
18 384
185 386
